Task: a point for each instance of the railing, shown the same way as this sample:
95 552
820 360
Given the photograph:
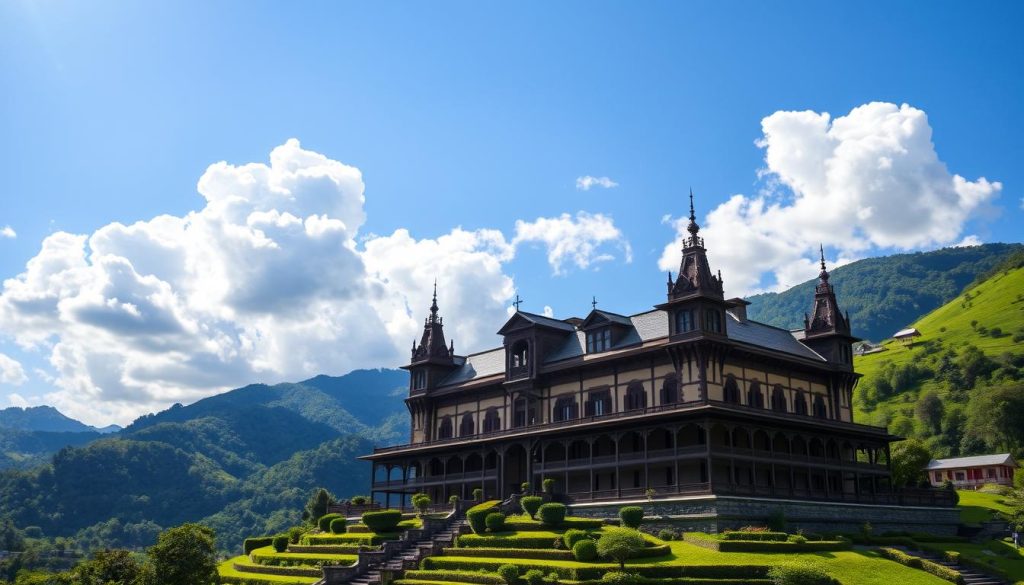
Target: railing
690 404
349 510
907 497
426 479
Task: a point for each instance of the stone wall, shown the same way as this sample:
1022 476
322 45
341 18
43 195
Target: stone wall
718 513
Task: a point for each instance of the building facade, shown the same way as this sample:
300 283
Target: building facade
973 472
690 398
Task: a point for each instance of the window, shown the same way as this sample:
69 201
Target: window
565 409
991 473
600 340
731 392
444 430
636 396
670 389
778 399
685 321
466 427
519 413
599 402
419 380
492 420
520 354
819 407
800 403
755 397
713 320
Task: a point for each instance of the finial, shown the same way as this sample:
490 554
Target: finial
517 302
823 275
433 304
593 302
670 277
693 228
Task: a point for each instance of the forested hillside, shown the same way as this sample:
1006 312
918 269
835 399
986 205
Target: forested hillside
887 293
242 462
960 387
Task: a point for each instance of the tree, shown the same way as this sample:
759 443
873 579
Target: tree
619 544
109 566
996 416
909 458
185 555
316 506
929 411
421 502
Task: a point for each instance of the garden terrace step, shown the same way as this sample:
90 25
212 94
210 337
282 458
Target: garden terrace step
971 575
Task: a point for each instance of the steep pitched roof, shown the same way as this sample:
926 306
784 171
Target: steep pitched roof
974 461
535 319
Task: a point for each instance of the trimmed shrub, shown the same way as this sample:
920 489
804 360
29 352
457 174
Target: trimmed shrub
338 525
421 502
487 541
383 521
324 523
551 514
523 523
620 578
539 554
761 535
455 577
548 485
666 534
940 571
584 551
619 544
495 522
572 536
477 515
631 516
534 577
478 494
251 544
799 573
453 500
280 543
525 487
509 573
530 504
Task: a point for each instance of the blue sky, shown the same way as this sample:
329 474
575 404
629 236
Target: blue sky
478 115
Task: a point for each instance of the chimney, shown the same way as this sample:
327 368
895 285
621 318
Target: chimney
738 308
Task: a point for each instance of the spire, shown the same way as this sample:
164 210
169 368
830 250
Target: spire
693 228
432 346
825 317
695 276
823 275
433 305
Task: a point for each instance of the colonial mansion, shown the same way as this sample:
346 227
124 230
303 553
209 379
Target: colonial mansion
690 398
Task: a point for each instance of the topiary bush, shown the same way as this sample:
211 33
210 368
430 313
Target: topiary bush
324 523
584 551
666 534
495 522
359 500
534 577
478 494
572 536
530 504
619 544
338 526
551 514
382 521
510 573
421 502
548 485
295 533
620 578
280 543
453 500
631 516
797 539
477 516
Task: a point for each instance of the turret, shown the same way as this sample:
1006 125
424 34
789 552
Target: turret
826 328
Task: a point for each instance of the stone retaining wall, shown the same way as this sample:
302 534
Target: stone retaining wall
717 513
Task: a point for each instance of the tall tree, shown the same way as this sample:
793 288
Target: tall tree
995 415
185 555
316 506
909 458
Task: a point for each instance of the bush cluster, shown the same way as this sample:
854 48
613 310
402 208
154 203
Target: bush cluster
524 524
495 522
631 516
667 534
572 536
382 521
477 515
295 533
509 573
324 523
551 514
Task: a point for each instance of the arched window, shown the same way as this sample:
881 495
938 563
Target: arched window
731 392
670 389
800 403
492 420
599 402
444 430
819 407
565 409
466 427
636 396
520 356
755 397
779 399
685 321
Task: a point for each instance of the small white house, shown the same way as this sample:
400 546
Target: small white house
906 336
973 472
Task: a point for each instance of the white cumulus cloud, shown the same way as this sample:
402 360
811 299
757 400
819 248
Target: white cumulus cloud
269 280
583 240
11 371
865 181
8 232
585 182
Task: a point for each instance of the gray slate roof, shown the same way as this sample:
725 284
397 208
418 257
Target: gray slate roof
975 461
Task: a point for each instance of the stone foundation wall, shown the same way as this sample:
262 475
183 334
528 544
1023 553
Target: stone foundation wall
718 513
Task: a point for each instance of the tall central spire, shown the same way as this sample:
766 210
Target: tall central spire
695 277
432 346
825 316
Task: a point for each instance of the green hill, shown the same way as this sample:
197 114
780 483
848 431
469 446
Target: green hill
959 387
886 293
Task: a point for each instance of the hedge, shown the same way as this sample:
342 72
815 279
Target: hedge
251 544
369 539
594 573
271 560
762 546
940 571
551 514
383 521
478 541
324 523
280 543
743 535
330 549
572 536
511 553
254 580
477 515
455 576
283 571
522 524
495 522
338 526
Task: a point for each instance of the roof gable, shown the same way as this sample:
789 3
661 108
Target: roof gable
522 320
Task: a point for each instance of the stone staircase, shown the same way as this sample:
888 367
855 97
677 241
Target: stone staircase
971 576
378 567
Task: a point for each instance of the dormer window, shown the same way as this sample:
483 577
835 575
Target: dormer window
685 321
599 340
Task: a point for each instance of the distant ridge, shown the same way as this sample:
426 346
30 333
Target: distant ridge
47 419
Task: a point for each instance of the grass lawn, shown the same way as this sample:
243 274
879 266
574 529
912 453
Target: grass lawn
993 551
227 570
977 507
